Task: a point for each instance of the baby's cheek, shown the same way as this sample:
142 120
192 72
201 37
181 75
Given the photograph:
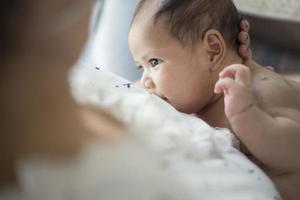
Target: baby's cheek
165 85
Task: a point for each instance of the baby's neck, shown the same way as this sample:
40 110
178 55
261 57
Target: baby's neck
214 114
232 57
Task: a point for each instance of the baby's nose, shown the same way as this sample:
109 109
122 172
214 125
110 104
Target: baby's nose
149 84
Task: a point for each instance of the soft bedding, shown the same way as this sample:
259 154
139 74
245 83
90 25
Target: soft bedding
203 158
166 155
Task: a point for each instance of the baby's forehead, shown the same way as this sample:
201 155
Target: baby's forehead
146 12
153 5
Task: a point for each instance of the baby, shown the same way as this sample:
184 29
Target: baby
189 55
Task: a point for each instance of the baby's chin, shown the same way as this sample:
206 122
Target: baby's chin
181 108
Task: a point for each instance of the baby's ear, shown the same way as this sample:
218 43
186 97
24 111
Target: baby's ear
215 47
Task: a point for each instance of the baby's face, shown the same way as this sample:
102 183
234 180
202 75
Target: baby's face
176 73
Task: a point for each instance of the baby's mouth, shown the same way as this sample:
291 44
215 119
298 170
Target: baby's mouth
164 98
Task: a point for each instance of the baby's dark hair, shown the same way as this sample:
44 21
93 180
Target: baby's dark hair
188 20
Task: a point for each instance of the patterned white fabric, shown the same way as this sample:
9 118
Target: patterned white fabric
166 156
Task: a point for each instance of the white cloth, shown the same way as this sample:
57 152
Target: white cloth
167 155
130 171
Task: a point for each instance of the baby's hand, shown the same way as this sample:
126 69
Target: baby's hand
235 83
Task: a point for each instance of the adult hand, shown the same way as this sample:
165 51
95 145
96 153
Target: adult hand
244 39
244 48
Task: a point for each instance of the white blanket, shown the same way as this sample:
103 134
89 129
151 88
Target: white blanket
167 155
205 161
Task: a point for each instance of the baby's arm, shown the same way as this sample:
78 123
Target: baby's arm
274 140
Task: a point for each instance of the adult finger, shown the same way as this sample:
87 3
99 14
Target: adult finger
245 25
244 38
245 52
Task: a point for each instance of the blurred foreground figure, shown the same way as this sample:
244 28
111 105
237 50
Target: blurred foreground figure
40 41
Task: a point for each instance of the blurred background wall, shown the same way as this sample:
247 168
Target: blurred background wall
108 46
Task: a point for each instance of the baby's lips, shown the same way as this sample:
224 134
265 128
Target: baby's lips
165 99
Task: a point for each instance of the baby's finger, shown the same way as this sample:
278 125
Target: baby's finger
240 73
225 85
227 73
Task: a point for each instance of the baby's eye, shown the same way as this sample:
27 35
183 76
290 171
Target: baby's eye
154 62
140 67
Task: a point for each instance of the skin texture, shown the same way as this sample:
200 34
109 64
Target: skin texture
258 105
164 60
264 111
38 114
167 71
